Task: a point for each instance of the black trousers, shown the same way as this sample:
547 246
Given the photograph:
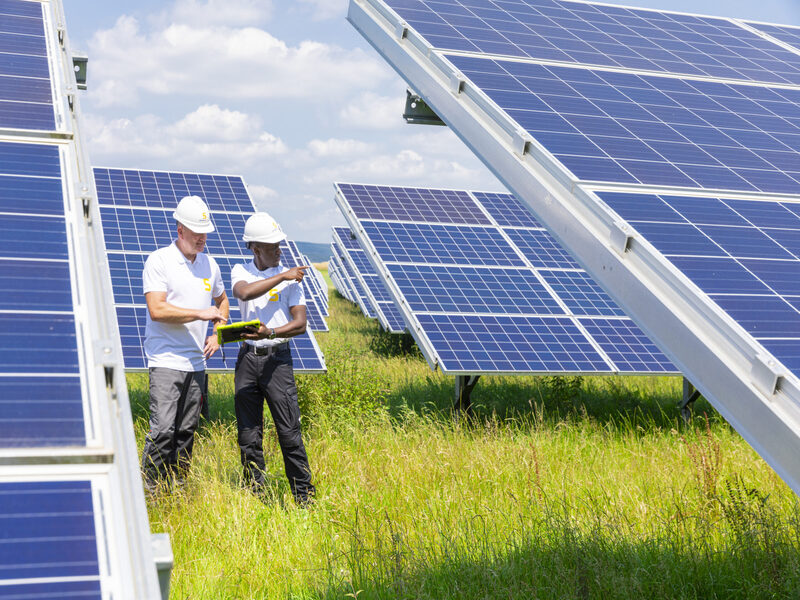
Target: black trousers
270 377
175 401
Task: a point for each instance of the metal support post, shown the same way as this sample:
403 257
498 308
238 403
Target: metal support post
690 395
464 386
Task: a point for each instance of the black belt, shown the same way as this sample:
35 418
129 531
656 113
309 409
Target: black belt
265 350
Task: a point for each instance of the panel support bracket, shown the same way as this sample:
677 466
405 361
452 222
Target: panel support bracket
401 30
621 236
690 396
456 83
464 386
521 142
765 375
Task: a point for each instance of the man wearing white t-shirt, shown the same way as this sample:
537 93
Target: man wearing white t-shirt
180 283
271 293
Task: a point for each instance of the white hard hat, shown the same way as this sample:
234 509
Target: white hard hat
262 228
193 213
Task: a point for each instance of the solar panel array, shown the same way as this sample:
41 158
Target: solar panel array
74 521
664 149
477 301
136 209
379 298
357 292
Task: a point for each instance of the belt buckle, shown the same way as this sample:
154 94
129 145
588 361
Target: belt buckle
262 350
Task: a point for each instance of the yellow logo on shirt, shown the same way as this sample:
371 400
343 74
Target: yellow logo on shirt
274 295
207 284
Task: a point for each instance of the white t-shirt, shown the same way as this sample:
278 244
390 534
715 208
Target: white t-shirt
188 285
272 308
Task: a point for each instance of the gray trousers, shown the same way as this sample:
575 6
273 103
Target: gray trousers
176 398
270 377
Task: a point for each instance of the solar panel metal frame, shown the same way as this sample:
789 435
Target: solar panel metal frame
244 258
748 387
110 453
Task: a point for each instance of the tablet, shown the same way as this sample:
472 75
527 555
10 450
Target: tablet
235 331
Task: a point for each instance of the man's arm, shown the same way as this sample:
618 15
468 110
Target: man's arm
294 327
164 312
212 345
249 291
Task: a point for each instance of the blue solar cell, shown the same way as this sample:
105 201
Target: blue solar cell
29 159
744 242
346 240
506 209
20 8
37 590
541 249
627 346
440 244
580 293
26 25
394 320
649 149
472 290
31 195
678 239
158 189
24 65
786 351
762 316
23 44
412 204
39 343
48 530
603 36
780 275
484 344
784 33
35 285
144 230
41 411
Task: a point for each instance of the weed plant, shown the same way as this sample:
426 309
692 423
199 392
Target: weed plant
557 487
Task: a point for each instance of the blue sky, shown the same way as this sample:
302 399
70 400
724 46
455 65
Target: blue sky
283 92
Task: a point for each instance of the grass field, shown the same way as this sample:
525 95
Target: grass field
557 488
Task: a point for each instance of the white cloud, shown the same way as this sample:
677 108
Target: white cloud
210 138
243 63
220 12
326 9
338 148
373 111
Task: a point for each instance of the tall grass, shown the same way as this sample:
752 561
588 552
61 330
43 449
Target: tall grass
555 488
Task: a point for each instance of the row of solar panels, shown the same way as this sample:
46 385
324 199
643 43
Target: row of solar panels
482 286
74 522
662 150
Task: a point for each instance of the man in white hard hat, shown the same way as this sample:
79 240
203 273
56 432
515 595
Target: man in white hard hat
271 293
180 283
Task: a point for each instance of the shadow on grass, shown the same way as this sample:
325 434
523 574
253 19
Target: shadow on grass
575 566
644 403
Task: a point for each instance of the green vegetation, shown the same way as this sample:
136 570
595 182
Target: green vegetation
556 488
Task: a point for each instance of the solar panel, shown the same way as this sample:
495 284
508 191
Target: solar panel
74 521
338 279
495 311
662 184
26 96
136 209
357 291
379 298
292 257
594 34
629 128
